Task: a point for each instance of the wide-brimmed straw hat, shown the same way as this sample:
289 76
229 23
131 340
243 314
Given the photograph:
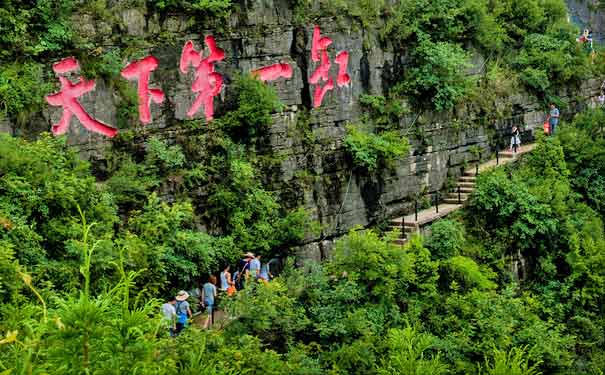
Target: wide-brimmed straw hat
249 255
182 296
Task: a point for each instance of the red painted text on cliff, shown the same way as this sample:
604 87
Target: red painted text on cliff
319 53
207 83
273 72
140 70
68 99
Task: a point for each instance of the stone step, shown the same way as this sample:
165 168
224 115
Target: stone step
469 173
397 221
400 241
410 229
466 190
507 155
463 196
467 179
454 200
466 184
406 229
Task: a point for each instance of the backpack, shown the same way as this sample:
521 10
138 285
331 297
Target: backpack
181 317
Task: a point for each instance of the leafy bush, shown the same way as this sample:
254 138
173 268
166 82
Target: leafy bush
446 239
34 28
514 362
547 61
372 150
437 72
249 113
218 8
408 354
22 89
467 274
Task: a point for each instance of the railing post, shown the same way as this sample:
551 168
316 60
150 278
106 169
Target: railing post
477 169
437 202
459 199
416 210
497 154
403 227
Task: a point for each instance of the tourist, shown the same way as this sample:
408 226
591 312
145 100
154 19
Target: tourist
601 99
265 270
183 311
169 315
227 284
254 268
515 139
196 294
236 280
553 118
208 298
244 270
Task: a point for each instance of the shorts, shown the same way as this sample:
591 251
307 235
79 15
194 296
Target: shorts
209 306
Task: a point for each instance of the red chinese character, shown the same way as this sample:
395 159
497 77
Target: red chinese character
320 92
273 72
67 98
342 60
322 73
319 54
207 82
141 70
318 44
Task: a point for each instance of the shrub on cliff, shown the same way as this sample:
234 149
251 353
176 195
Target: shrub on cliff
437 71
371 150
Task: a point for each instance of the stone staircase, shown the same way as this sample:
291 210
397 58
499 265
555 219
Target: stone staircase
407 225
464 188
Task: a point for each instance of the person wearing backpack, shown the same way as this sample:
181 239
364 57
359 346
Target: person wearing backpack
183 311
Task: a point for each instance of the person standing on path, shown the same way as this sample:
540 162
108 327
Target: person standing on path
169 315
515 139
183 311
553 118
244 272
208 298
227 284
255 267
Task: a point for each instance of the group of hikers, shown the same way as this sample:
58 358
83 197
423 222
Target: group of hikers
177 312
550 126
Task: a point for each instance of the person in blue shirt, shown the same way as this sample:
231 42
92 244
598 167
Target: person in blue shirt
553 118
208 298
254 268
265 270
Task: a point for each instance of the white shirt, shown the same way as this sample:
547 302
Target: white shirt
168 311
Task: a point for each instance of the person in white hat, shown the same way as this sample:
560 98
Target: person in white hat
183 311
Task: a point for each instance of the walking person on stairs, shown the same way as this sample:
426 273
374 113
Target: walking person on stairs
553 118
515 139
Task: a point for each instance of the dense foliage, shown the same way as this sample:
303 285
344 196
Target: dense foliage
513 285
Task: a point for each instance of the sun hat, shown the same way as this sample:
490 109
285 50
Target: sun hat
249 255
182 296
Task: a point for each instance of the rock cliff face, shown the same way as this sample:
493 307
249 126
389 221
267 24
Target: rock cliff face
315 171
